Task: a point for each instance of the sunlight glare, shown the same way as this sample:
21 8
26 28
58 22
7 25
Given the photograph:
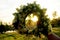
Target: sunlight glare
35 18
32 17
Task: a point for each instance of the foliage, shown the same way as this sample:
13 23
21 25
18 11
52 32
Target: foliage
6 27
24 11
16 20
56 30
54 14
58 22
16 36
55 22
1 27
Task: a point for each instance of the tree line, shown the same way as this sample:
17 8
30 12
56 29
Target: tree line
5 27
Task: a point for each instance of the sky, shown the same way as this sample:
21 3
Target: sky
8 7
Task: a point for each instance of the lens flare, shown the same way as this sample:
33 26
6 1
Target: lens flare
34 19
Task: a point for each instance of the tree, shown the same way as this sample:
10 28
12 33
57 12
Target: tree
55 22
2 29
8 27
5 27
23 12
58 22
16 20
54 14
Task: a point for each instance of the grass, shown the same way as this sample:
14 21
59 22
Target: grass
17 36
56 30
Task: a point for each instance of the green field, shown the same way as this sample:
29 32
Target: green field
56 30
17 36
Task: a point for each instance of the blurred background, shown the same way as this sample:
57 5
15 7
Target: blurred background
7 17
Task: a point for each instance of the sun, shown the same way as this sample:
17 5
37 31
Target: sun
31 21
34 19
